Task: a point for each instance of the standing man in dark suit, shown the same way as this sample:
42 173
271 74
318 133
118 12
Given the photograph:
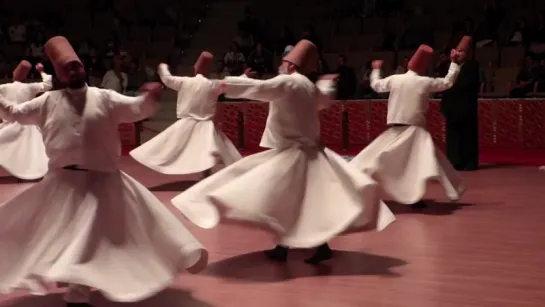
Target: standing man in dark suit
460 109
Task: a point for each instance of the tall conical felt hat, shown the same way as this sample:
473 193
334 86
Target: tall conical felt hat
421 59
204 63
60 52
21 71
464 43
304 55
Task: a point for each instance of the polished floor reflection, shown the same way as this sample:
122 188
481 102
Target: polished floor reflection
487 251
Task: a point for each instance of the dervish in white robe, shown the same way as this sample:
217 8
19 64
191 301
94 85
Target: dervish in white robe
193 144
22 151
88 224
404 158
305 193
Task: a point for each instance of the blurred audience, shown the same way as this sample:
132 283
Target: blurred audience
260 60
257 45
531 72
234 60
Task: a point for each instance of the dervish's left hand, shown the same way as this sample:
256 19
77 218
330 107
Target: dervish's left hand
40 67
455 56
331 77
249 73
153 88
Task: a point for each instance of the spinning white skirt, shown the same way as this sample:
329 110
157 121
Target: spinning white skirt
188 146
22 151
306 196
403 159
102 230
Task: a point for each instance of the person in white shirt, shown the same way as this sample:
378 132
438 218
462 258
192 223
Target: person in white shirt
21 147
404 158
88 224
305 193
115 79
193 144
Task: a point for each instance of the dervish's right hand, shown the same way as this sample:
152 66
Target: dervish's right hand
377 64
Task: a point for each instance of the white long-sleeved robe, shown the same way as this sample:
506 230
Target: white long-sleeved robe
193 144
98 228
22 152
304 192
404 158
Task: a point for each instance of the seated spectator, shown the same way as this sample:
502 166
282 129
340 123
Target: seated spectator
95 68
260 60
37 48
111 50
346 86
84 47
402 67
529 74
17 32
115 79
234 60
364 87
150 68
520 34
136 75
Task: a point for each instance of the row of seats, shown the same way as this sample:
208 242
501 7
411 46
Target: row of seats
506 57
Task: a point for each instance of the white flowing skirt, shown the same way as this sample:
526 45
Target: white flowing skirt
22 151
101 230
305 196
403 160
188 146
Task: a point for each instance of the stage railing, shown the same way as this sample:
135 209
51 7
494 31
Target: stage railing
503 123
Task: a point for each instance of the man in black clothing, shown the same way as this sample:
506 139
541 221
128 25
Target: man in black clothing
346 86
459 106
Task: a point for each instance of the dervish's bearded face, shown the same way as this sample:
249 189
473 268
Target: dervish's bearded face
74 75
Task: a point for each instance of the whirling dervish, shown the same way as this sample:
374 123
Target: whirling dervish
305 193
193 144
22 151
87 223
404 158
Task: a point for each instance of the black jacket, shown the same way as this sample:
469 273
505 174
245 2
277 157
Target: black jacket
461 100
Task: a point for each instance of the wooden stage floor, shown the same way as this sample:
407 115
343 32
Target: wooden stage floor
488 251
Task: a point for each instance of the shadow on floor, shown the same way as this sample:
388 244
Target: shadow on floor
433 207
255 267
